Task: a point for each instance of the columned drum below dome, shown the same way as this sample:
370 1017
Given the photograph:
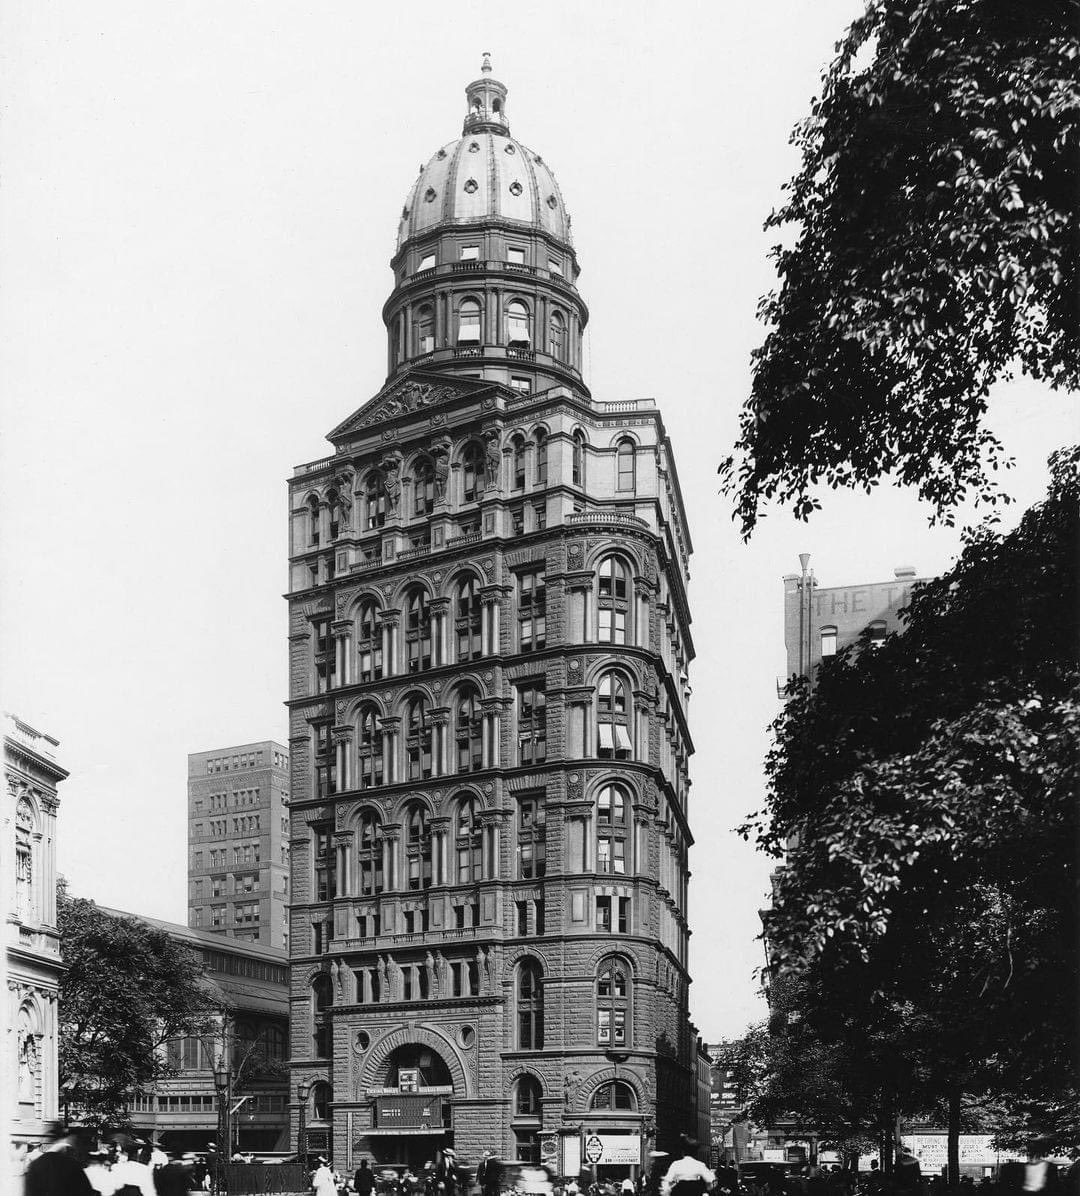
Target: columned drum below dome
485 271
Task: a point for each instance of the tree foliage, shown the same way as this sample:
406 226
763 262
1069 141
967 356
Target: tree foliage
934 248
128 988
926 797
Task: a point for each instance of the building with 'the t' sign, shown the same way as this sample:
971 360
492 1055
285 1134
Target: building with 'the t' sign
489 643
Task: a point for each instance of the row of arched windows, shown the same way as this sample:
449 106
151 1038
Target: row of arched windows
378 493
519 329
468 848
464 737
612 988
429 636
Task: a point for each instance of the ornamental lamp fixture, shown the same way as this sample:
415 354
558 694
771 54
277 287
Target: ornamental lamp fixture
221 1076
302 1090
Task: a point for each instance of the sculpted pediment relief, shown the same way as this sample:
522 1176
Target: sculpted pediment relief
415 392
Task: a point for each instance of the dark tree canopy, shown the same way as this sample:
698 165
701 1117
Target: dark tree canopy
934 249
926 795
128 988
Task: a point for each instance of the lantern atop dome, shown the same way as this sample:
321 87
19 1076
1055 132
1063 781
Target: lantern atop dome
486 98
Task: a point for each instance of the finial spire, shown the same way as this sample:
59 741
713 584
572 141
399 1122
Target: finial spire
486 99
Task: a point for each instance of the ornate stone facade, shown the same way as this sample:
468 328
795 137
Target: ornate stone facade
31 777
489 641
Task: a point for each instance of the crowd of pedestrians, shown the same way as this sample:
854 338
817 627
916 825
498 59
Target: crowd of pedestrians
76 1163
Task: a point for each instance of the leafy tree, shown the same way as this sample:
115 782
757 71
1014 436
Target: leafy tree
128 988
926 795
934 248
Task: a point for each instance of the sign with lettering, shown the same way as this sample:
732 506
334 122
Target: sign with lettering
594 1149
932 1151
413 1112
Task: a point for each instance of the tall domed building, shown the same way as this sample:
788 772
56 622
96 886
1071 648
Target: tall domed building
489 642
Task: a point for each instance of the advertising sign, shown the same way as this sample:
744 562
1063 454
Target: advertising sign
615 1148
408 1079
932 1151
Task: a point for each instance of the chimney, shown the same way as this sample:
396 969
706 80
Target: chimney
904 571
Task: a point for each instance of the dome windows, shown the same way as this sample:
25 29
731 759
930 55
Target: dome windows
516 188
471 186
468 322
430 195
424 329
474 147
557 341
509 147
518 334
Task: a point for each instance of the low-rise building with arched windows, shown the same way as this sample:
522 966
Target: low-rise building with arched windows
489 645
32 777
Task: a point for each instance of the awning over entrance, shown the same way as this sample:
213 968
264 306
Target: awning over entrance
404 1132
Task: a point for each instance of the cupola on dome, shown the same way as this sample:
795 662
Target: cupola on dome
485 175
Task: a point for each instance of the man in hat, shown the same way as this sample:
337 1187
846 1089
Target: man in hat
687 1176
58 1170
127 1170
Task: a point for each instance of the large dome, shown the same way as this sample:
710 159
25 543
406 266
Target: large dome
485 175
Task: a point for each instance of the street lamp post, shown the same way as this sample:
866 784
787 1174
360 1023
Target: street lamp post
221 1084
302 1090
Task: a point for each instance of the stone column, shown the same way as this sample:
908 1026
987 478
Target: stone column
342 631
440 733
440 829
440 630
391 732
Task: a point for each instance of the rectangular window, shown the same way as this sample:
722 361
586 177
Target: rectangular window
828 641
515 256
603 913
470 253
427 262
555 266
517 520
522 918
532 723
624 915
538 915
532 611
522 385
540 516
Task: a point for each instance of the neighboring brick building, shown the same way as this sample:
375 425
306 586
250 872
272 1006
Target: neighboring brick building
820 621
238 842
489 642
249 983
32 942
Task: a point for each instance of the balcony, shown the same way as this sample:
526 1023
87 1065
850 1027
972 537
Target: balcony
618 517
521 354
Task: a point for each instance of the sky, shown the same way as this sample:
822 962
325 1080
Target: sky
198 204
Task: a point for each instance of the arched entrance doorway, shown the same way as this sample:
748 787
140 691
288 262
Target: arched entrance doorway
412 1119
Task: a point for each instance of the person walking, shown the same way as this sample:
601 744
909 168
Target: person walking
58 1169
364 1179
687 1175
322 1178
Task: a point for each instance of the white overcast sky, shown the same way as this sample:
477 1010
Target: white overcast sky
198 203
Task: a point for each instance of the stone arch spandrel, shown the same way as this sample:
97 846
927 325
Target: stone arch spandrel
589 1085
379 1053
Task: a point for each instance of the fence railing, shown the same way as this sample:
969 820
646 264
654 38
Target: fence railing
249 1179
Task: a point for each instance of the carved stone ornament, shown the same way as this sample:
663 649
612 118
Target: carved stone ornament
406 397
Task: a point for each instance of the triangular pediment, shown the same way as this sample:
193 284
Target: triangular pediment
418 390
